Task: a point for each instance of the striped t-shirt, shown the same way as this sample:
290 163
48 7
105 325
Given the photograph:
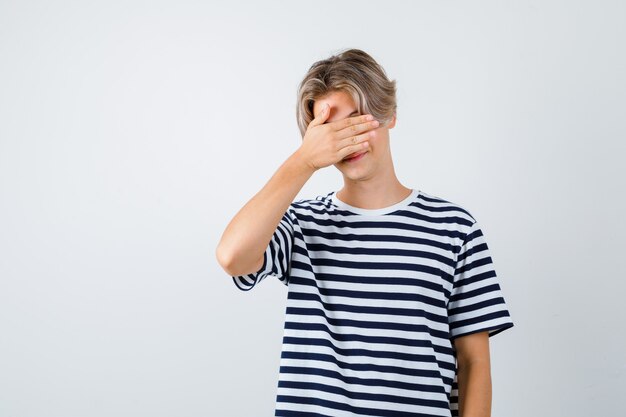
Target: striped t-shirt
375 297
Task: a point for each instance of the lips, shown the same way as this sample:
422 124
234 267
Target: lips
352 156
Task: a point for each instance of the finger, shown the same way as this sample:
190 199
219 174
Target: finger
354 144
355 149
350 121
354 129
321 116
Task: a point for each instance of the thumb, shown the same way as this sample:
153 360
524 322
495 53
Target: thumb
322 116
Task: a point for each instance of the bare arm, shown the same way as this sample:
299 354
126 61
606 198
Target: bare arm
243 243
474 375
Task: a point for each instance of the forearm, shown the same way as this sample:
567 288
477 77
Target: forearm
474 382
247 235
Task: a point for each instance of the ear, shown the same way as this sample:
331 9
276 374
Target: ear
392 122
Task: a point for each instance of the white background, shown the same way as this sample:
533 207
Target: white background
132 131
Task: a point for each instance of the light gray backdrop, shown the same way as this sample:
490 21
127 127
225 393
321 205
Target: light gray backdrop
131 133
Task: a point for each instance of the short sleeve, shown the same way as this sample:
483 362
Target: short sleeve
277 255
476 302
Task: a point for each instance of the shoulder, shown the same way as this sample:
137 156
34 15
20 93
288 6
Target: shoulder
306 206
455 214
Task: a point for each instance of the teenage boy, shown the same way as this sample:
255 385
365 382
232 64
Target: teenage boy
392 293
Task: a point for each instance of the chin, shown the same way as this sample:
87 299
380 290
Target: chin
354 175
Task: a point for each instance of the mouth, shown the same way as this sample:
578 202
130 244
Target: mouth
353 157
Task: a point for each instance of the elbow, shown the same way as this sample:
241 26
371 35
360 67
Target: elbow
233 264
225 259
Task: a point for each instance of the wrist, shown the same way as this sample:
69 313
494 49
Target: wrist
301 163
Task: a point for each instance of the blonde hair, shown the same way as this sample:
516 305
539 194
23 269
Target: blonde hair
354 72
